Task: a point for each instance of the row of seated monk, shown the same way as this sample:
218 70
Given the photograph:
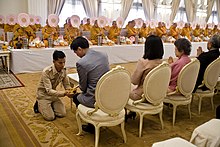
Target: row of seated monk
69 33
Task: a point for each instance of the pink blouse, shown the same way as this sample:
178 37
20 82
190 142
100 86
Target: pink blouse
176 68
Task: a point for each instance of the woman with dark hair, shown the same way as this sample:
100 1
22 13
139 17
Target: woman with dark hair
153 53
182 52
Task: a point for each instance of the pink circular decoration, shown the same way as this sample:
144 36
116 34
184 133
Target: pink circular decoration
32 19
37 19
2 19
138 22
11 19
23 19
92 20
75 21
102 21
120 22
53 20
180 24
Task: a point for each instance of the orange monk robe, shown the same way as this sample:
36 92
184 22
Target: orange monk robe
164 29
65 26
38 26
16 27
57 28
81 27
113 33
131 31
152 31
8 28
106 28
95 32
2 26
186 32
34 27
174 32
215 31
206 32
48 32
87 27
71 33
197 32
26 32
144 32
160 31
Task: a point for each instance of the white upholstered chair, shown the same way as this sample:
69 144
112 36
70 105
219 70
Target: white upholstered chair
185 84
155 87
111 95
207 134
174 142
210 79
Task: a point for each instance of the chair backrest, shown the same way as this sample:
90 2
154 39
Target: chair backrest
187 77
112 90
62 32
212 73
87 34
2 32
156 83
123 32
39 34
10 36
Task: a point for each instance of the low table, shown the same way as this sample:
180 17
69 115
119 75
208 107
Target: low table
5 55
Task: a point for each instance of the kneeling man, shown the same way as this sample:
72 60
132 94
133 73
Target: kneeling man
48 97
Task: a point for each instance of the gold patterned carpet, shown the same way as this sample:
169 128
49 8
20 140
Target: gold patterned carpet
20 126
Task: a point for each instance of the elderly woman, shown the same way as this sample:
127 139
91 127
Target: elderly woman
182 52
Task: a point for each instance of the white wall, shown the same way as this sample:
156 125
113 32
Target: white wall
13 7
35 7
38 8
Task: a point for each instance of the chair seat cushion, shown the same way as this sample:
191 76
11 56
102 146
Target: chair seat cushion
144 106
99 115
200 91
178 97
177 141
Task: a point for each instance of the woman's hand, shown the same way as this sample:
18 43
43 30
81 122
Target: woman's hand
170 60
199 50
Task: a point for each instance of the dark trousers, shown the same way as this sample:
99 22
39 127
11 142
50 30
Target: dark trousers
75 100
218 112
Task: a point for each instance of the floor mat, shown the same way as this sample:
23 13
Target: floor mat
9 80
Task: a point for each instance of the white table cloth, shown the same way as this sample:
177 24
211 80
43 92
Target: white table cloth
32 60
